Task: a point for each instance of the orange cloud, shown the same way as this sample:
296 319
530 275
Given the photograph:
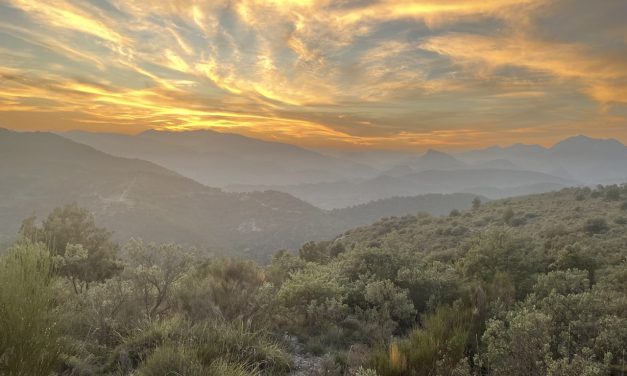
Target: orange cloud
374 73
599 76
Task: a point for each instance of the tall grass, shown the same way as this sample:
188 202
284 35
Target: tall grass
178 347
28 330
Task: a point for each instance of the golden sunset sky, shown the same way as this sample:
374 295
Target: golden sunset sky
391 74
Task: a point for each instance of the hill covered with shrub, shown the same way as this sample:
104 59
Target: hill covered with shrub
533 285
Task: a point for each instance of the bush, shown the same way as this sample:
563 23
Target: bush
508 214
29 340
181 360
435 348
514 222
612 193
596 226
620 221
172 360
476 203
188 349
236 345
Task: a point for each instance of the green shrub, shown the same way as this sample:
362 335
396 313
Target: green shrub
177 342
172 360
508 214
236 345
435 348
612 193
596 226
29 339
620 220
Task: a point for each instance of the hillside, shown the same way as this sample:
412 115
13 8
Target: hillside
519 286
490 182
135 198
542 217
433 203
531 285
218 159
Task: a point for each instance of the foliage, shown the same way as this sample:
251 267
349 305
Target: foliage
430 349
29 337
596 226
155 269
540 292
86 253
476 203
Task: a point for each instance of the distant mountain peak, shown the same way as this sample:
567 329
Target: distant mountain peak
437 160
586 141
433 153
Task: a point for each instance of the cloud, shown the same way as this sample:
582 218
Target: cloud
601 77
66 15
387 73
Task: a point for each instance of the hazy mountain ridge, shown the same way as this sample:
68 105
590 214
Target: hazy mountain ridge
244 164
137 198
219 159
493 183
588 160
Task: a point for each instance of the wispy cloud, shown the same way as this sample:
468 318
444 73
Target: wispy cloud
380 73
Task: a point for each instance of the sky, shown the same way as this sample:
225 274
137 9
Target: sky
379 74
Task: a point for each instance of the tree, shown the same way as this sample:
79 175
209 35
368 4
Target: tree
71 229
315 252
283 264
517 346
499 254
154 270
235 288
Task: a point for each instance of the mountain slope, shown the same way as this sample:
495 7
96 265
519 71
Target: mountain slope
433 203
585 159
547 217
490 182
219 159
135 198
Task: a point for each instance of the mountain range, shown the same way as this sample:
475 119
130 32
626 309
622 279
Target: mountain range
581 158
136 198
295 194
495 172
218 159
331 180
